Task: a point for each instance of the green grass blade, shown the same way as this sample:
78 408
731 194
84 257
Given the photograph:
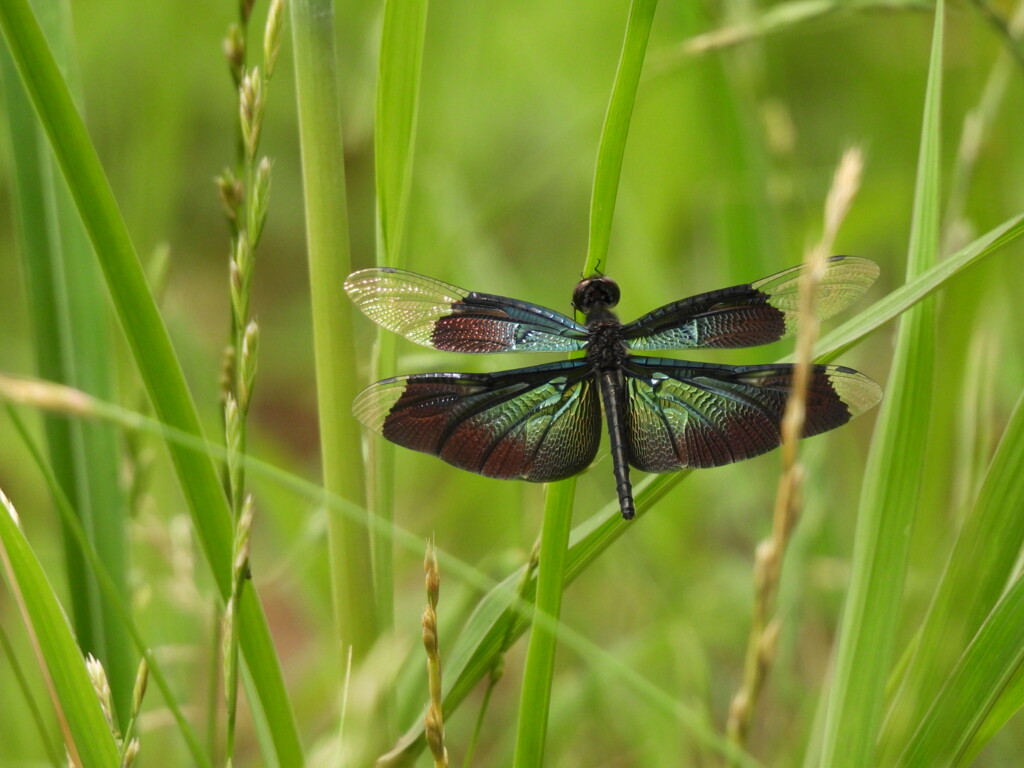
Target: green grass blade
323 174
1009 703
398 87
612 146
833 344
150 344
979 566
54 751
889 495
982 560
960 708
87 735
535 697
70 315
120 604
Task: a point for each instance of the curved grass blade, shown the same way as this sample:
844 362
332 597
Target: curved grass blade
833 344
86 732
979 566
120 605
1009 703
871 613
70 321
151 348
994 656
535 697
612 145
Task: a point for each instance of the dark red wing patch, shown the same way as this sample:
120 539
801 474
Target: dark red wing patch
693 415
540 423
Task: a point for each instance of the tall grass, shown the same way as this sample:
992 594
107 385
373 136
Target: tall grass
464 140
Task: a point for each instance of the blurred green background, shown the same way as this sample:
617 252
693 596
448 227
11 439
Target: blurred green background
730 154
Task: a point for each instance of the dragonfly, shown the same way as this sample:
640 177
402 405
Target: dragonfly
543 423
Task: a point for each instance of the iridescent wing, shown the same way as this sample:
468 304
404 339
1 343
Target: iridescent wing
541 423
749 315
686 414
439 315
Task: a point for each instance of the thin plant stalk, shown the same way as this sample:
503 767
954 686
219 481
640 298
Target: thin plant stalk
247 217
434 720
323 174
535 697
764 630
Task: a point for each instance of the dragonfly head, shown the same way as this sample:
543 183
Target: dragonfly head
594 294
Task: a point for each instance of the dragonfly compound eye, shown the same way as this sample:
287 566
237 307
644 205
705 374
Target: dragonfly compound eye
594 292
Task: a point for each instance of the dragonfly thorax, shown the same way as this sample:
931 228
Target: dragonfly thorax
606 349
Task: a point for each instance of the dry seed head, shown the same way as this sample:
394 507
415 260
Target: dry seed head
100 684
245 9
233 439
260 200
433 575
429 624
227 372
243 538
845 184
739 706
272 36
250 104
764 558
239 305
434 731
47 396
139 691
250 348
769 642
231 193
234 51
130 753
227 636
240 273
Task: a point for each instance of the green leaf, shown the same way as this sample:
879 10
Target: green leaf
87 734
978 569
151 347
833 344
892 478
397 108
119 603
958 711
535 696
612 146
324 193
71 323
